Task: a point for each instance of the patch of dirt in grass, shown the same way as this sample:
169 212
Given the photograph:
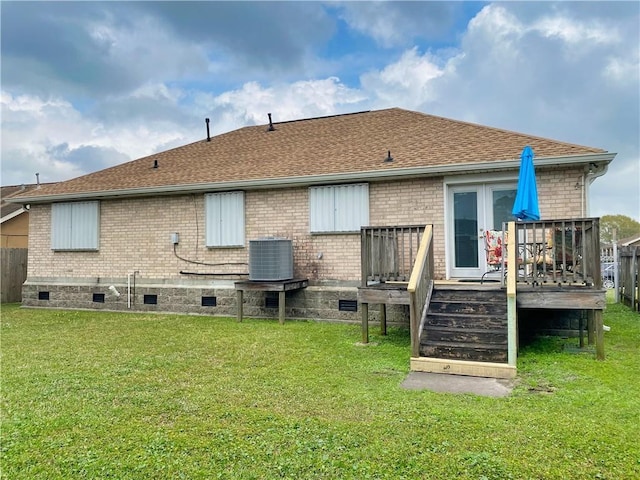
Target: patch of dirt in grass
545 389
386 372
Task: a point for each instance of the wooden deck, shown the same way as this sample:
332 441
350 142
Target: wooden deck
561 274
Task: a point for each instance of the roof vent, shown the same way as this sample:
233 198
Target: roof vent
155 164
389 157
271 127
206 120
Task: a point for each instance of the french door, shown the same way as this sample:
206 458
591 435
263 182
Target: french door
472 209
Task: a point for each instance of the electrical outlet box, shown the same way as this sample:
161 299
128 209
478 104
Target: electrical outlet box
175 238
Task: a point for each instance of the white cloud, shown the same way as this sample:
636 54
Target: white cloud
403 83
572 31
50 136
623 70
495 21
251 103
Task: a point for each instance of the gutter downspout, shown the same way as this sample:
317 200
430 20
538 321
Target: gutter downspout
591 177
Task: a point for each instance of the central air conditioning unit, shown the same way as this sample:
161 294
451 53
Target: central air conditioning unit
270 259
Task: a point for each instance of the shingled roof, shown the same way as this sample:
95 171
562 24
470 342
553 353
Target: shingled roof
9 210
351 145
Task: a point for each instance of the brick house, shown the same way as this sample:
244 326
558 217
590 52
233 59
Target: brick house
314 181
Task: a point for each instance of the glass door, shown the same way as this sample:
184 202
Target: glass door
473 209
466 203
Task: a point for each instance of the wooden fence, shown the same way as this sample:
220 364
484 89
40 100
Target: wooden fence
628 276
13 274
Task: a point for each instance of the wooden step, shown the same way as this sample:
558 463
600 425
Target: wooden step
464 307
465 336
466 321
457 351
466 324
475 296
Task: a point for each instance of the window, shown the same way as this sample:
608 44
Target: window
338 208
224 219
75 226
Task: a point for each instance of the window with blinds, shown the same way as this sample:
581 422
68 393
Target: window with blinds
224 220
75 226
338 208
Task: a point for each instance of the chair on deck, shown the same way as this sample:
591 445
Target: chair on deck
494 243
567 246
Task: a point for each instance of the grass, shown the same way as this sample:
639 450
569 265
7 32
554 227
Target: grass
125 395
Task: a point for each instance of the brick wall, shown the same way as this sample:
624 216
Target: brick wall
560 193
135 234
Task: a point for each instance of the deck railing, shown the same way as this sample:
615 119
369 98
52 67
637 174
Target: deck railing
561 252
388 253
420 288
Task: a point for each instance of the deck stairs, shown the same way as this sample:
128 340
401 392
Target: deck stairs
467 323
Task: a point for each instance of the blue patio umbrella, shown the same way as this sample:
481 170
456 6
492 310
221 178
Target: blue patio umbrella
526 206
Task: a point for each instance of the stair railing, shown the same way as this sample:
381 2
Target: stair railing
420 288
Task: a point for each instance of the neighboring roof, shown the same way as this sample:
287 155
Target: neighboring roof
11 210
351 146
630 241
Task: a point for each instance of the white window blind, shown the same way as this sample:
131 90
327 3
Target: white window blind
75 226
224 214
338 208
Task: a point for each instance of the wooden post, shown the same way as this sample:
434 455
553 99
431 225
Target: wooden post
365 322
383 319
581 331
590 327
616 273
512 309
239 301
599 334
281 300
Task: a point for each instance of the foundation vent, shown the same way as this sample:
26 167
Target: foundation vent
270 259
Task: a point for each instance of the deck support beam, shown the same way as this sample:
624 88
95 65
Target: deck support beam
239 301
364 307
590 327
599 334
512 308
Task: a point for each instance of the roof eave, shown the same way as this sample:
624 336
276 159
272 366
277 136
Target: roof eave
303 181
11 215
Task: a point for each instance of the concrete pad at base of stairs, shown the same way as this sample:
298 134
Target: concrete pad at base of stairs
443 383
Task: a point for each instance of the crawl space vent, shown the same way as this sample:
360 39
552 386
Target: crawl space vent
270 259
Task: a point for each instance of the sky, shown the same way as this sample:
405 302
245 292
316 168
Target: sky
88 85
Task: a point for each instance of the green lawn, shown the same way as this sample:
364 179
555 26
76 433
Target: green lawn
111 395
